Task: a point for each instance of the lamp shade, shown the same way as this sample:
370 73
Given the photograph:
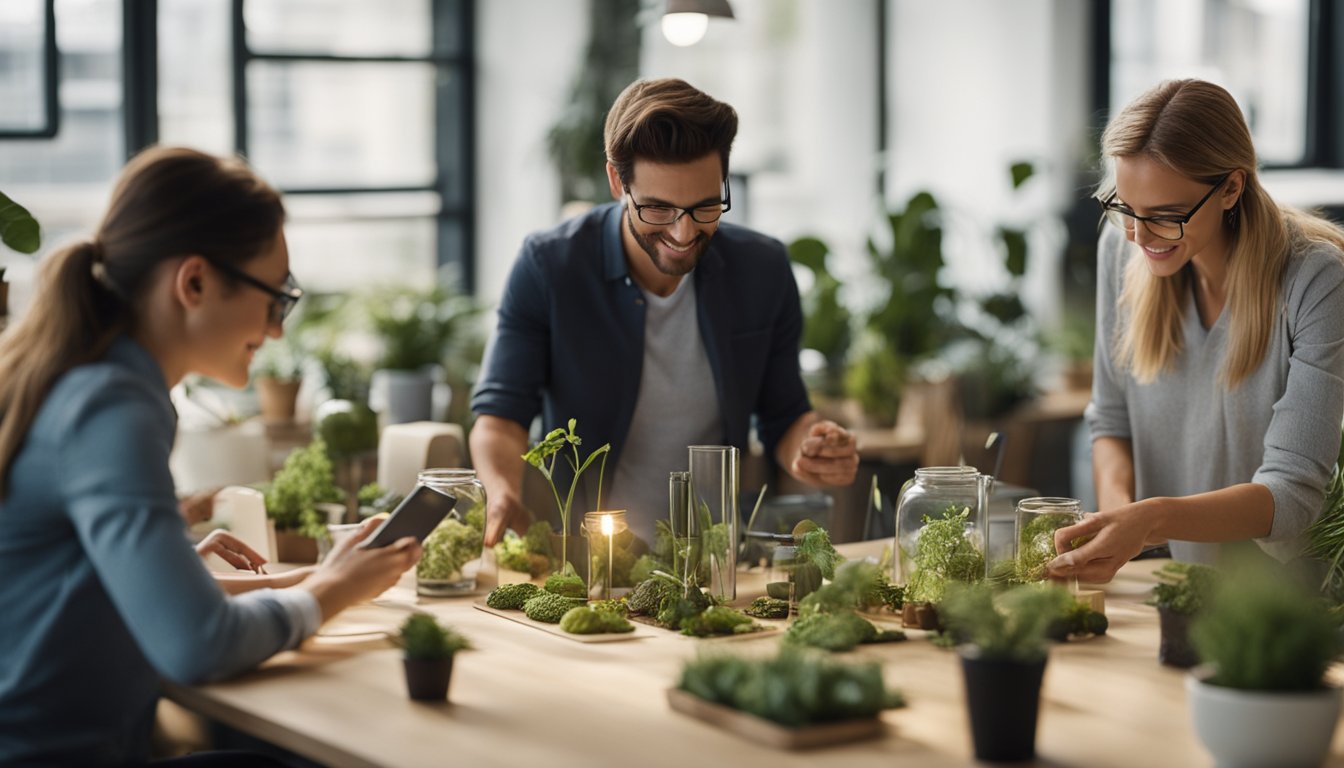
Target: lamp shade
685 21
706 7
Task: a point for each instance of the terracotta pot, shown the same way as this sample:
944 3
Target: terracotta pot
290 547
427 679
277 398
1003 697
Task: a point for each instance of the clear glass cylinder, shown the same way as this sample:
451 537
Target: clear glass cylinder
455 551
684 527
781 585
940 496
611 553
1034 543
714 490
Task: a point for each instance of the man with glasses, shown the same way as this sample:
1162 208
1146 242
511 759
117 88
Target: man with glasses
653 324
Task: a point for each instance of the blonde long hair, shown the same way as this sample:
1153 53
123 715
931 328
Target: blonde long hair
168 202
1196 129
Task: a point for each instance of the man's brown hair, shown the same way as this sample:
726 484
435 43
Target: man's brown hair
667 121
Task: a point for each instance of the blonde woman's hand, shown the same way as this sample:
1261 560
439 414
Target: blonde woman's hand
1105 541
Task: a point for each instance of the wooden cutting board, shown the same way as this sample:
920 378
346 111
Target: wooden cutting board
770 734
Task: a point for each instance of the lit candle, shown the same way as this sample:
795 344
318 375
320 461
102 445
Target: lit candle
607 527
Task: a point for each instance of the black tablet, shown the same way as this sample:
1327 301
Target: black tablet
417 515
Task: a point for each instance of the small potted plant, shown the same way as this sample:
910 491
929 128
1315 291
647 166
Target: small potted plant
428 649
277 372
1261 698
1003 661
544 456
293 502
1182 592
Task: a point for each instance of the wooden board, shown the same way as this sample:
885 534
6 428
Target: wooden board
758 730
771 627
554 629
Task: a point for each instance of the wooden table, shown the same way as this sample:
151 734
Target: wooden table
526 697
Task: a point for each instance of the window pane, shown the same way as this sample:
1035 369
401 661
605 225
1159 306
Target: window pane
330 255
195 75
322 124
1256 49
340 27
23 32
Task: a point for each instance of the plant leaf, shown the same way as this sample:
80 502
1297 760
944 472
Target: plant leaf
18 229
1021 171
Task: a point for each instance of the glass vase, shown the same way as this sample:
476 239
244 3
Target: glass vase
611 553
455 551
1034 543
713 502
954 501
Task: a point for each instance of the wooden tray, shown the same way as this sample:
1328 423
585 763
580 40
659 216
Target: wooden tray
767 733
554 629
770 630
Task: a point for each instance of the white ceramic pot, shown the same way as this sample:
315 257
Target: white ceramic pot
1262 728
401 396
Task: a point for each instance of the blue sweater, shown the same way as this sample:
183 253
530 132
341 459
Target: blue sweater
100 591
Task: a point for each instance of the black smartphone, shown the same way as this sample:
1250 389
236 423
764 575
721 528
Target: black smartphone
417 515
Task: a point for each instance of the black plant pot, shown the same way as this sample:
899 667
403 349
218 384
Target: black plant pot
427 679
1002 698
1174 648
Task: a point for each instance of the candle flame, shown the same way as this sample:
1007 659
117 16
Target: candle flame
607 525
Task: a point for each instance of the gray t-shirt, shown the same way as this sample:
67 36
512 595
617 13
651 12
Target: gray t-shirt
1280 427
677 407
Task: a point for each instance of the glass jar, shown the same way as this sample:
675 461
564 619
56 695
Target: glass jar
611 553
782 584
954 501
1034 543
455 551
714 488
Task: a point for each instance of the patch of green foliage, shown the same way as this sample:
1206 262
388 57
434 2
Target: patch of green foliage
423 638
511 553
1011 627
306 479
450 547
1325 537
617 607
1036 544
1262 632
831 631
1184 588
648 596
718 620
550 449
678 606
827 616
549 607
944 554
510 597
584 620
768 608
565 585
1078 620
644 567
792 688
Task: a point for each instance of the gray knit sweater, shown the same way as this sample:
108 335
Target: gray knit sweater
1280 427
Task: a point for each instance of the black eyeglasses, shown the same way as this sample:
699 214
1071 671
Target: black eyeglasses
1164 227
667 215
283 298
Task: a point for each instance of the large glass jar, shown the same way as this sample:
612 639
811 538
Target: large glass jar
940 531
1037 520
713 499
455 550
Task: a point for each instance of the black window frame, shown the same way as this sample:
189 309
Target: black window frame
51 77
454 110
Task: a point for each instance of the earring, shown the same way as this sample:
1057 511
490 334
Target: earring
1232 216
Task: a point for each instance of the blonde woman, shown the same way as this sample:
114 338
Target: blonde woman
100 591
1219 385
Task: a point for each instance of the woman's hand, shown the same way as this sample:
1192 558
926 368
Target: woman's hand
1105 541
232 550
352 574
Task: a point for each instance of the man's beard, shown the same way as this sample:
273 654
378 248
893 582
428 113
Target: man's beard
649 244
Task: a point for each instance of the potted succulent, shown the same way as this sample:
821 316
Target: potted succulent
1182 592
277 372
544 456
428 650
293 502
1262 698
1003 661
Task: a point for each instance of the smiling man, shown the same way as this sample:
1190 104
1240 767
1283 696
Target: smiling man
652 323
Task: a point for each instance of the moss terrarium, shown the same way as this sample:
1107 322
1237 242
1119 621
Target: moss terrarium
452 556
1037 520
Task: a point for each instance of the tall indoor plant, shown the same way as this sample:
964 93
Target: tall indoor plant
544 456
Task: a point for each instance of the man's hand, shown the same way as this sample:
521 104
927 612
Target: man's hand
829 455
504 511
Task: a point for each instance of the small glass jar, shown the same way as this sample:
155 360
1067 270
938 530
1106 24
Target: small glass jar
455 551
940 495
611 553
1034 543
783 570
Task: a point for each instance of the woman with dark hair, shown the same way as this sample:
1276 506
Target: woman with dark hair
1219 385
100 590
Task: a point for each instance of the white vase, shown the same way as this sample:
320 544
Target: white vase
401 396
1262 728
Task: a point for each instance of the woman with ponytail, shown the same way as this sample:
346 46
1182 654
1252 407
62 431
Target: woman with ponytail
1219 383
100 591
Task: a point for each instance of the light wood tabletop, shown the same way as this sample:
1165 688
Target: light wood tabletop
525 697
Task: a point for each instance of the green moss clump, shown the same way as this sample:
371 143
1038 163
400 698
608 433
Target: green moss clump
648 596
450 547
831 631
718 620
768 608
617 607
1036 544
510 597
583 620
566 586
549 607
676 607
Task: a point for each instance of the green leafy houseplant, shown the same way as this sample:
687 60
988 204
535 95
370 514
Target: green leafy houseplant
305 480
827 321
18 229
1182 592
544 456
794 688
1013 627
428 649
